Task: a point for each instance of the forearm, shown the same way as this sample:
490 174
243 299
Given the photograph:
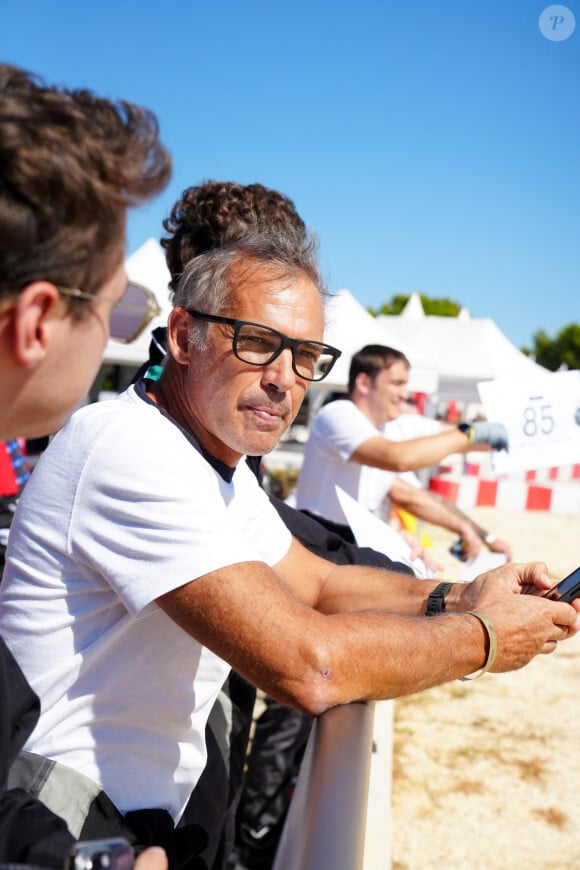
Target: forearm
410 455
409 654
353 588
488 538
428 507
453 509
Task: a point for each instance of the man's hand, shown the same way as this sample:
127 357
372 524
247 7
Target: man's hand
420 552
525 625
496 545
153 858
472 541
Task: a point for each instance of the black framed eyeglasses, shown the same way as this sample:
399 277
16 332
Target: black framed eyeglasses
260 345
130 315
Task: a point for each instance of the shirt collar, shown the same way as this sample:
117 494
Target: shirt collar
226 472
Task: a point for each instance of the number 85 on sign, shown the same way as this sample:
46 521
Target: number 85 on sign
542 416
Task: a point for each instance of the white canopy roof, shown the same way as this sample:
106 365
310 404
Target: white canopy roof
349 326
464 350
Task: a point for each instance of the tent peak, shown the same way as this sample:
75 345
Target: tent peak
150 247
414 307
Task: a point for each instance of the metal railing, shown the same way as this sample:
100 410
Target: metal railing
325 827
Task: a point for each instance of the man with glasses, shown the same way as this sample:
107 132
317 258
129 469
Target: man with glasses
71 164
259 345
168 565
206 216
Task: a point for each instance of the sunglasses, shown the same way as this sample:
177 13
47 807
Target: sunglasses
130 315
260 345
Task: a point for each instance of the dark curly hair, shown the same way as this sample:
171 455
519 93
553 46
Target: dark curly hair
214 213
71 163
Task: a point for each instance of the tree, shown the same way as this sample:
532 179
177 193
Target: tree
562 350
441 307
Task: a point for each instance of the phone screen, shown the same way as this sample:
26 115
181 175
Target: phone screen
112 854
567 589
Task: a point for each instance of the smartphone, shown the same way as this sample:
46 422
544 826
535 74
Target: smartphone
113 854
567 589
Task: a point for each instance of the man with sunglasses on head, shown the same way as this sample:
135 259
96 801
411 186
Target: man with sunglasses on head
168 564
71 164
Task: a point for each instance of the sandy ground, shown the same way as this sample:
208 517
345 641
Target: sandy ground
485 774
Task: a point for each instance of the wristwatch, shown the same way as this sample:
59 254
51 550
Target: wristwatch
436 599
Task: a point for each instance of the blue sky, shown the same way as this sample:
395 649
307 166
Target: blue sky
432 146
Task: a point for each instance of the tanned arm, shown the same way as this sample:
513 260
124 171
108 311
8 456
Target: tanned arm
314 635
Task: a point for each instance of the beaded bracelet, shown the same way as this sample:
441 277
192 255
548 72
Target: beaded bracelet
492 645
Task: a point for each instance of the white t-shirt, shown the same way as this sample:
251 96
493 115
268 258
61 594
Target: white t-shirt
405 428
409 426
122 508
337 431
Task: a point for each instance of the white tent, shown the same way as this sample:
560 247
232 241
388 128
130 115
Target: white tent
349 326
147 266
464 350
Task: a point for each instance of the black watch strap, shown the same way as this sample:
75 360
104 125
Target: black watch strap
436 599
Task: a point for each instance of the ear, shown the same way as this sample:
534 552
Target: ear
179 326
362 383
32 322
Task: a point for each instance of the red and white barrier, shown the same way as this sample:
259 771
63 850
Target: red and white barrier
540 491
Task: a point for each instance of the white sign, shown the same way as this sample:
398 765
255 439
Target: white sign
542 417
370 531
